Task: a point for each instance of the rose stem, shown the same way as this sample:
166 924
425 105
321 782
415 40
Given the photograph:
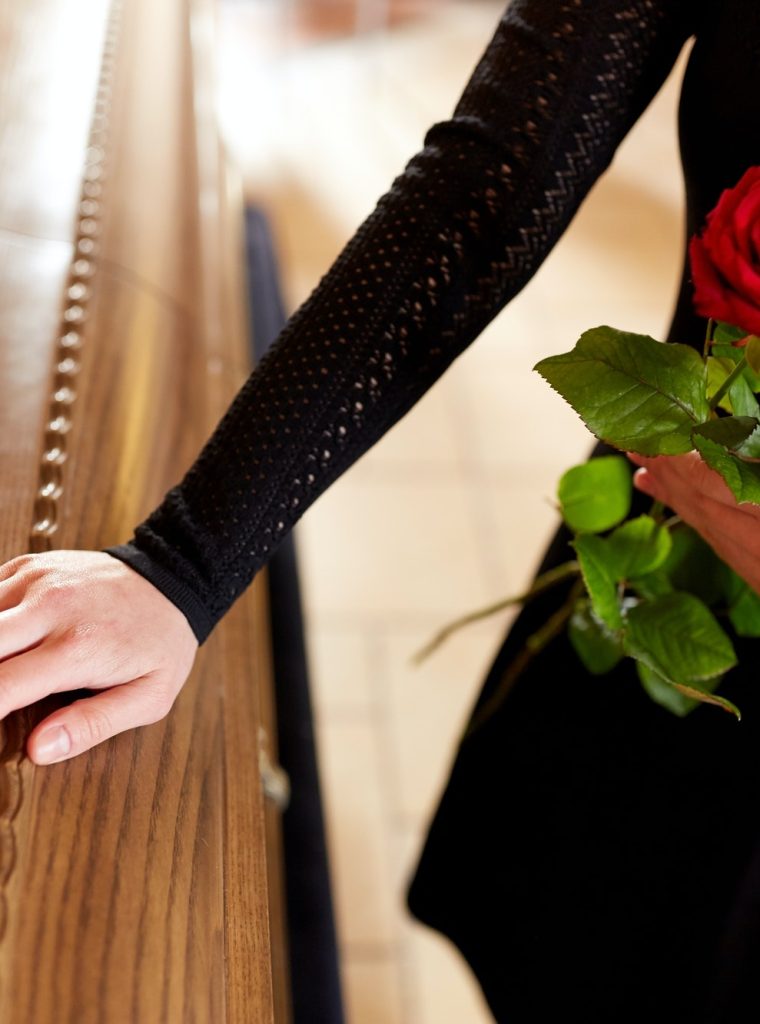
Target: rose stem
540 584
708 337
733 375
535 643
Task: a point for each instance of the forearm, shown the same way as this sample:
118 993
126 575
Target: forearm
460 232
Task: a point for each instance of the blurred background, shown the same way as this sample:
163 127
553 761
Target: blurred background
321 104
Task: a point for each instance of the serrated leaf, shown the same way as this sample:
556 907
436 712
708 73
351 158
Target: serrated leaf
750 448
728 431
705 697
638 547
664 693
752 352
678 637
633 392
744 611
743 478
675 698
597 649
594 560
597 495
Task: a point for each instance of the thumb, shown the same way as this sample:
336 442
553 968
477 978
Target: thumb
87 722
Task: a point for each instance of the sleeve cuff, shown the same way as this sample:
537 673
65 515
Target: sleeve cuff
174 589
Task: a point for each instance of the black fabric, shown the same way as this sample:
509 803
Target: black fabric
460 232
594 859
312 941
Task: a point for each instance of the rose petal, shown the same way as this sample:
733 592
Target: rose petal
746 218
724 261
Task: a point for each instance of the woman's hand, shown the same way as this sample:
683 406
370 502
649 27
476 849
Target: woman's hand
82 619
702 499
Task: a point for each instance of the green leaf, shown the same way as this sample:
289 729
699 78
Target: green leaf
744 612
727 351
676 699
740 434
654 584
597 495
739 399
743 402
638 547
727 334
750 448
692 565
728 431
632 391
703 695
752 352
664 693
594 559
678 637
717 371
597 649
743 478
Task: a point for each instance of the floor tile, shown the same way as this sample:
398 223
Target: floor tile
376 550
442 988
339 672
357 833
454 506
373 992
427 709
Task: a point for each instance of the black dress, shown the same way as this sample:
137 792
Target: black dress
594 858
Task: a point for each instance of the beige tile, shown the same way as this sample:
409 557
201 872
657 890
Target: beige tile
373 550
438 983
523 521
426 710
357 833
372 990
519 428
441 987
449 510
339 671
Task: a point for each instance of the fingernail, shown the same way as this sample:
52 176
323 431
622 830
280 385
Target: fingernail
52 745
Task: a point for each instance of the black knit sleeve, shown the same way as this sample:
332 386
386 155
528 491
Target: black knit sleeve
460 232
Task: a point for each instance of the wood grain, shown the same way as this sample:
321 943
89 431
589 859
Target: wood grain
136 880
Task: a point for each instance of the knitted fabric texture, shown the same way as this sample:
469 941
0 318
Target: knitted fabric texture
458 234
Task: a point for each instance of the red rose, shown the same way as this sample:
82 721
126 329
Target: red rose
725 261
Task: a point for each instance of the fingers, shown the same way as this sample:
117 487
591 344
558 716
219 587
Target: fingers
84 620
19 631
89 721
36 674
8 569
733 531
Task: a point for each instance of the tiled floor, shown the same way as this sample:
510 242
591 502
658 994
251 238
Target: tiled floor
452 508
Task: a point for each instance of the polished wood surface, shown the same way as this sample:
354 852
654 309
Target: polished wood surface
136 881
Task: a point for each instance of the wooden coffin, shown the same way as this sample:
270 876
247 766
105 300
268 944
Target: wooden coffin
139 882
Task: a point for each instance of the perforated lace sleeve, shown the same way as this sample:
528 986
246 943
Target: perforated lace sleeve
457 236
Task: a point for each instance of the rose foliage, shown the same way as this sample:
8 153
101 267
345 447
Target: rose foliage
649 588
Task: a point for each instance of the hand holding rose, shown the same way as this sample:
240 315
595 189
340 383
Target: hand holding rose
725 264
701 498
